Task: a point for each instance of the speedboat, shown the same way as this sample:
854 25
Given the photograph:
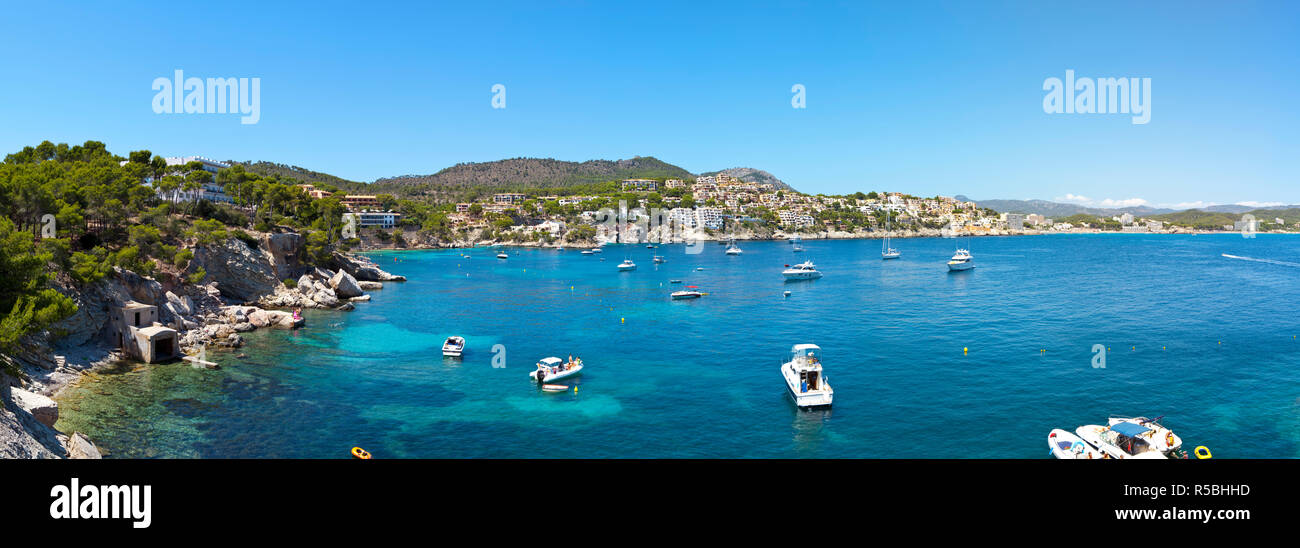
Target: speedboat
597 250
554 369
961 260
626 265
1067 446
1124 440
1161 438
453 346
650 246
797 248
660 259
674 281
802 271
502 255
691 292
804 378
588 252
733 250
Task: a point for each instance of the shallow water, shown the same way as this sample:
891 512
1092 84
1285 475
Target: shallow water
1206 340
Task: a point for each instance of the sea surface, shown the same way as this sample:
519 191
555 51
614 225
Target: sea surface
924 363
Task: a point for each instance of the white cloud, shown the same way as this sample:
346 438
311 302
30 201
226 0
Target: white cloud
1260 204
1190 205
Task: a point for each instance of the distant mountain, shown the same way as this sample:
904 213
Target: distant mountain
1057 209
751 175
527 173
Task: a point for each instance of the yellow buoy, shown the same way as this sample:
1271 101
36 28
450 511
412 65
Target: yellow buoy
622 320
1203 452
575 390
964 350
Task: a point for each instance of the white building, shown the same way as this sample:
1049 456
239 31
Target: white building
708 217
211 192
380 219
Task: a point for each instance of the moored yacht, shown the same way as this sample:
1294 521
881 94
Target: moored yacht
1159 437
887 251
733 249
659 259
802 271
626 265
961 260
804 377
1124 440
453 346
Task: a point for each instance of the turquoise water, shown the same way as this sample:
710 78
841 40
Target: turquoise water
1205 340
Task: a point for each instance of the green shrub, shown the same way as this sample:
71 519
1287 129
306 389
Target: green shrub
182 258
197 277
290 283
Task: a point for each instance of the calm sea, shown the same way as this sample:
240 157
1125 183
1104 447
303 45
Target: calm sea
1207 341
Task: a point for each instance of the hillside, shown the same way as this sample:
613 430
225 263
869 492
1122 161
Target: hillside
299 173
1057 209
1216 219
529 173
751 175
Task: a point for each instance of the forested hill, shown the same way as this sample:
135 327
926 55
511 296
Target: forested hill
530 173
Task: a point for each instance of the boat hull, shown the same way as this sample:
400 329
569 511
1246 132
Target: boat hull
809 399
801 275
959 267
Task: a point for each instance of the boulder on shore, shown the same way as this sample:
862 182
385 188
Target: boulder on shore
344 285
80 447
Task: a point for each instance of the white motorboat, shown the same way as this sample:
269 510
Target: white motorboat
1123 441
804 377
1067 446
597 250
691 292
553 369
502 255
1159 437
588 252
797 248
733 250
961 260
453 346
659 259
626 265
802 271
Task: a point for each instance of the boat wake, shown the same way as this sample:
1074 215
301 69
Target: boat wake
1269 261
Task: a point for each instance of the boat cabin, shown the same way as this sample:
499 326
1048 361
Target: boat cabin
808 364
1129 438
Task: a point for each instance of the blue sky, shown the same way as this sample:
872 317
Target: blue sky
921 97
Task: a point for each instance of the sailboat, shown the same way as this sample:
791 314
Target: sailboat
887 251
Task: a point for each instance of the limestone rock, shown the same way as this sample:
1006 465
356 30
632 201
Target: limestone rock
44 409
80 447
370 286
241 273
344 285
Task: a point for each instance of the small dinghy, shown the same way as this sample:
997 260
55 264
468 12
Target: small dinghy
1067 446
502 255
554 388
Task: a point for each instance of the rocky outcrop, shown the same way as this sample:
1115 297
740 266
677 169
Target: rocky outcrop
362 268
283 252
22 435
370 286
242 274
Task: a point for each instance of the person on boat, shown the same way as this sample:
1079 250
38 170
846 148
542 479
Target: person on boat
297 314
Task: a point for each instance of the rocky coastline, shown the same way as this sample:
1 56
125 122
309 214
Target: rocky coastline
245 288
